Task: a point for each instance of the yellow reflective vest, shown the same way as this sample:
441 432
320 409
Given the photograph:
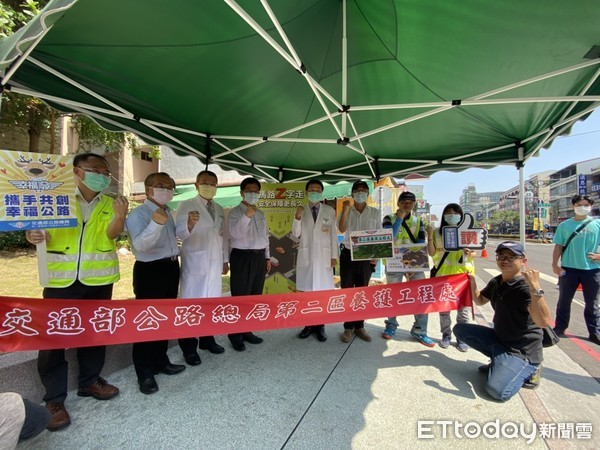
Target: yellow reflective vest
84 252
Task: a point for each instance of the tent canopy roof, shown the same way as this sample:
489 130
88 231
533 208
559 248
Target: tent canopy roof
290 90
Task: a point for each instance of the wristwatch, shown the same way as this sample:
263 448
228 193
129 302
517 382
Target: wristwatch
538 293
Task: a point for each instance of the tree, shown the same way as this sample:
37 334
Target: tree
505 221
36 117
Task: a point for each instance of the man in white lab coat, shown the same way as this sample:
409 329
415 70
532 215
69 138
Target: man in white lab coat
318 250
200 225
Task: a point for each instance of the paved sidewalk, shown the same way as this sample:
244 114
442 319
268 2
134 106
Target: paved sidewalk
303 394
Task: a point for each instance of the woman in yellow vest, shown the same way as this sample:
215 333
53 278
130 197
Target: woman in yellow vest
456 262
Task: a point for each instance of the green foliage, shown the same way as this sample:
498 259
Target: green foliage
12 240
35 116
93 135
13 15
133 144
504 221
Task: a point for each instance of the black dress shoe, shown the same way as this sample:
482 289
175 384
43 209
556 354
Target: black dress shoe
213 348
321 335
148 386
193 359
252 338
305 332
238 346
171 369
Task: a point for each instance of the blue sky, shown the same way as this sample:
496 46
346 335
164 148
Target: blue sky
583 143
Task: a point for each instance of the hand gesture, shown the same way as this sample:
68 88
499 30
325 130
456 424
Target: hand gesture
299 211
160 216
558 270
120 205
346 206
401 213
473 286
250 211
594 256
36 236
193 218
532 278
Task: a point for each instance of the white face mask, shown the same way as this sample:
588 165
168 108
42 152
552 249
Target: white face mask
251 197
452 219
583 210
360 197
162 196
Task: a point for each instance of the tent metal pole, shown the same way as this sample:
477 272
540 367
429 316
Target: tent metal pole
167 135
22 58
344 66
588 85
360 152
279 28
400 122
311 82
521 166
519 84
556 131
355 131
79 86
481 102
70 103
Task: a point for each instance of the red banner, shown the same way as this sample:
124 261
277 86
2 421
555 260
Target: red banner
39 324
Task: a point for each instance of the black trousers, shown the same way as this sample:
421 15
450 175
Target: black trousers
155 279
248 270
354 274
52 365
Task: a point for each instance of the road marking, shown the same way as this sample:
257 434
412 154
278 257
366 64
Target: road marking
543 276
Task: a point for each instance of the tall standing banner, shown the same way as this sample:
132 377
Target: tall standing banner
279 202
37 192
37 324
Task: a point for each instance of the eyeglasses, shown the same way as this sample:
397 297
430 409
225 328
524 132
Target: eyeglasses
106 173
511 258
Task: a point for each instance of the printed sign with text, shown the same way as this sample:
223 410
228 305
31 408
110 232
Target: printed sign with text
38 191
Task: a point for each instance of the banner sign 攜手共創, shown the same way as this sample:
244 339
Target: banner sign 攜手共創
37 191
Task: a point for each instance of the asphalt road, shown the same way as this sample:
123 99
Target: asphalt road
576 345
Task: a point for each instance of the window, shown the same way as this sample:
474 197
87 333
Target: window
145 156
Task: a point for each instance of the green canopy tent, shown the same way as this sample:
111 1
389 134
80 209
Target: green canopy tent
288 90
229 196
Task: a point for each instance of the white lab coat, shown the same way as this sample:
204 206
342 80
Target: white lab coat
318 245
203 251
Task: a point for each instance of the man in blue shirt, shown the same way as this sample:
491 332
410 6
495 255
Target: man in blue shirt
579 264
156 271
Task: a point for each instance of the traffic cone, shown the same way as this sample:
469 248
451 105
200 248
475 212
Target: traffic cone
484 253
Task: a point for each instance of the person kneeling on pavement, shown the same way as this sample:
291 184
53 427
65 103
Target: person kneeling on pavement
514 345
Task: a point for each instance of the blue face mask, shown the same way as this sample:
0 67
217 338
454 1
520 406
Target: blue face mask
360 197
452 219
251 197
96 182
315 197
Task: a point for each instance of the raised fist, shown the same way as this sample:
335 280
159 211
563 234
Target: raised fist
160 216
